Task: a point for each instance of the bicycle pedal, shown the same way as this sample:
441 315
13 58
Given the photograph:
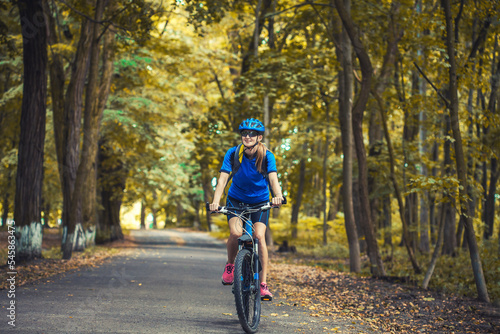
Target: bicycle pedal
266 298
225 283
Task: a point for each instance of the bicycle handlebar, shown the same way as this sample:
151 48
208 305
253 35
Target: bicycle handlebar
226 209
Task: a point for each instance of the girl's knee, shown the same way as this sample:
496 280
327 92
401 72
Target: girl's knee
235 234
261 237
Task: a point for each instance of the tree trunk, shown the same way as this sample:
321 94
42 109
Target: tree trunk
143 215
489 205
90 215
109 228
374 151
387 221
460 160
450 241
411 214
424 245
334 201
377 266
5 201
67 110
86 168
406 236
410 133
432 197
449 236
435 254
298 199
29 181
345 118
112 178
302 181
153 213
356 205
325 175
179 213
264 7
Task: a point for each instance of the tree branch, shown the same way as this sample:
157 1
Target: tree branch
297 6
430 82
109 22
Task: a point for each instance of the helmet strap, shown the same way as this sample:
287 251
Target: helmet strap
249 148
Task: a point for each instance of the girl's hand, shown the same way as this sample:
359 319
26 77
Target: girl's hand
214 206
276 201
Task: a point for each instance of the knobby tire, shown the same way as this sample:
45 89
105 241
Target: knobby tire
246 292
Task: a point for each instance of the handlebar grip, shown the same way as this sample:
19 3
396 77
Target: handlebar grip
207 206
284 200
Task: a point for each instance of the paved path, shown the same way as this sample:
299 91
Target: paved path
154 289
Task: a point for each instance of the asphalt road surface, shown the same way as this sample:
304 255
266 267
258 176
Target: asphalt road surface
169 284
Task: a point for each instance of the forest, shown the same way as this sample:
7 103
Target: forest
382 116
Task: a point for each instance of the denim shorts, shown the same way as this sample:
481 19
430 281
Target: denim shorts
256 217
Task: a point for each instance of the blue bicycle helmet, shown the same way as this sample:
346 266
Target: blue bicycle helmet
252 124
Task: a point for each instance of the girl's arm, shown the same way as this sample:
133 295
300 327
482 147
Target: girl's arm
221 184
275 186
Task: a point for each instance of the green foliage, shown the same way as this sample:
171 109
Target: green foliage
204 12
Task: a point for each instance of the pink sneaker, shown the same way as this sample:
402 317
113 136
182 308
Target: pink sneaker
265 294
228 275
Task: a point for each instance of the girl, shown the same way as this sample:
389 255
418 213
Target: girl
249 187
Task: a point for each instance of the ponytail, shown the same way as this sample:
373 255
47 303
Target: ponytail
261 153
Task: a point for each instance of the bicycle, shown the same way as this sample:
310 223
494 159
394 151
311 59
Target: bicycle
246 285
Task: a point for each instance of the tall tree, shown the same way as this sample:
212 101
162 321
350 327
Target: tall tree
460 159
300 189
96 94
27 206
344 53
424 245
112 175
67 109
395 35
377 266
489 206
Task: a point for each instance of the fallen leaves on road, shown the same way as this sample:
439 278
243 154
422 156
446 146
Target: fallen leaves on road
45 268
382 305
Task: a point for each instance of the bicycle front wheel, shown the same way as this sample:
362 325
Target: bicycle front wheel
246 291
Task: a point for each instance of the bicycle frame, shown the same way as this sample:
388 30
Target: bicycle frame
247 239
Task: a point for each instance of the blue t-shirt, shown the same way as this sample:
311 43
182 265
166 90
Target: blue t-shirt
248 186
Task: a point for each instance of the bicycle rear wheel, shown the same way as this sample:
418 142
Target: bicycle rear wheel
246 291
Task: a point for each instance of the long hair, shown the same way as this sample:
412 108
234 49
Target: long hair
261 153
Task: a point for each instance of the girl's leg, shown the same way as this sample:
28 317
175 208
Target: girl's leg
235 231
260 233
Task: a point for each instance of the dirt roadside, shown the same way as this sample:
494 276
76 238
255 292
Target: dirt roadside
387 307
41 269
